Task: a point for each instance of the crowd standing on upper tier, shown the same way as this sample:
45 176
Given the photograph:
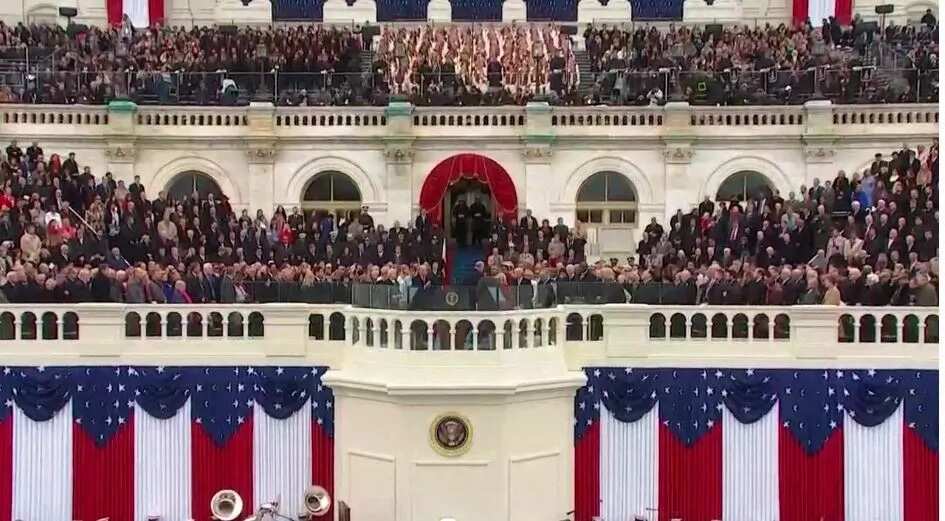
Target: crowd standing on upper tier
471 64
68 234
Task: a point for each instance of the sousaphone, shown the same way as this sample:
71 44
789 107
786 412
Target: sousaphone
226 505
316 501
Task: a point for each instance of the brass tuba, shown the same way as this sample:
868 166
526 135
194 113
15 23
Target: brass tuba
226 505
316 501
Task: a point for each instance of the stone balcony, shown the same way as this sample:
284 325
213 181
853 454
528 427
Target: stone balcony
122 122
469 344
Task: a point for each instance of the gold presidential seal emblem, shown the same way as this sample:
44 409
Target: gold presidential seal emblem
451 434
452 298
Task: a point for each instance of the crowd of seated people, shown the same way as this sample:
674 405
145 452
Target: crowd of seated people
198 65
68 235
757 65
512 63
472 64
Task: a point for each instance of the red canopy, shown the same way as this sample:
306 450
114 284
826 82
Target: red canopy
469 166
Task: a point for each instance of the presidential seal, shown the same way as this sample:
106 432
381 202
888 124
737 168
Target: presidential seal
451 434
452 298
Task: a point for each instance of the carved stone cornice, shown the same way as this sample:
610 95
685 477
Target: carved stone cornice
818 154
537 153
398 154
678 154
262 153
121 152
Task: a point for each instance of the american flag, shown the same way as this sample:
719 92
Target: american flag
128 442
767 444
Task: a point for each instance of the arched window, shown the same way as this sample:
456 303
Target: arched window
185 184
744 185
332 192
607 198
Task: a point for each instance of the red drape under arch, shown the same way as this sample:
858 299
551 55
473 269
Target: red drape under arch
469 166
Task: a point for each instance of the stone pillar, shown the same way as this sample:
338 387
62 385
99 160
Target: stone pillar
261 161
261 155
120 159
818 118
819 138
721 11
398 155
120 151
819 163
398 178
439 11
616 11
677 155
537 174
229 12
513 11
679 193
537 155
339 12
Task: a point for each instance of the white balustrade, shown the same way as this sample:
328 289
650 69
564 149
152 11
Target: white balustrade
754 116
51 121
330 117
192 117
581 334
607 117
896 114
54 115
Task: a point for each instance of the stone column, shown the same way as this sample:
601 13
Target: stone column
261 155
679 194
538 152
398 179
398 156
537 174
819 163
261 158
676 158
120 150
819 138
257 12
439 11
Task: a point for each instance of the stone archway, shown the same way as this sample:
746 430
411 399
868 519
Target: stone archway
469 166
171 170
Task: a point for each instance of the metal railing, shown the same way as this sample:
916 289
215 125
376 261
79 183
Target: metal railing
855 85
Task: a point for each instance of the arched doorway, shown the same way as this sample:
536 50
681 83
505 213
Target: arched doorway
472 178
185 184
332 192
744 185
479 172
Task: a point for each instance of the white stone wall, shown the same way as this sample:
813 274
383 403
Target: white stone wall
262 157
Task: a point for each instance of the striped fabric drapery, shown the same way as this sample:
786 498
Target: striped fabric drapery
743 444
132 442
820 10
142 13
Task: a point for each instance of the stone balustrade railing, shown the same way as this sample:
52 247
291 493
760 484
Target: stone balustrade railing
324 333
535 121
